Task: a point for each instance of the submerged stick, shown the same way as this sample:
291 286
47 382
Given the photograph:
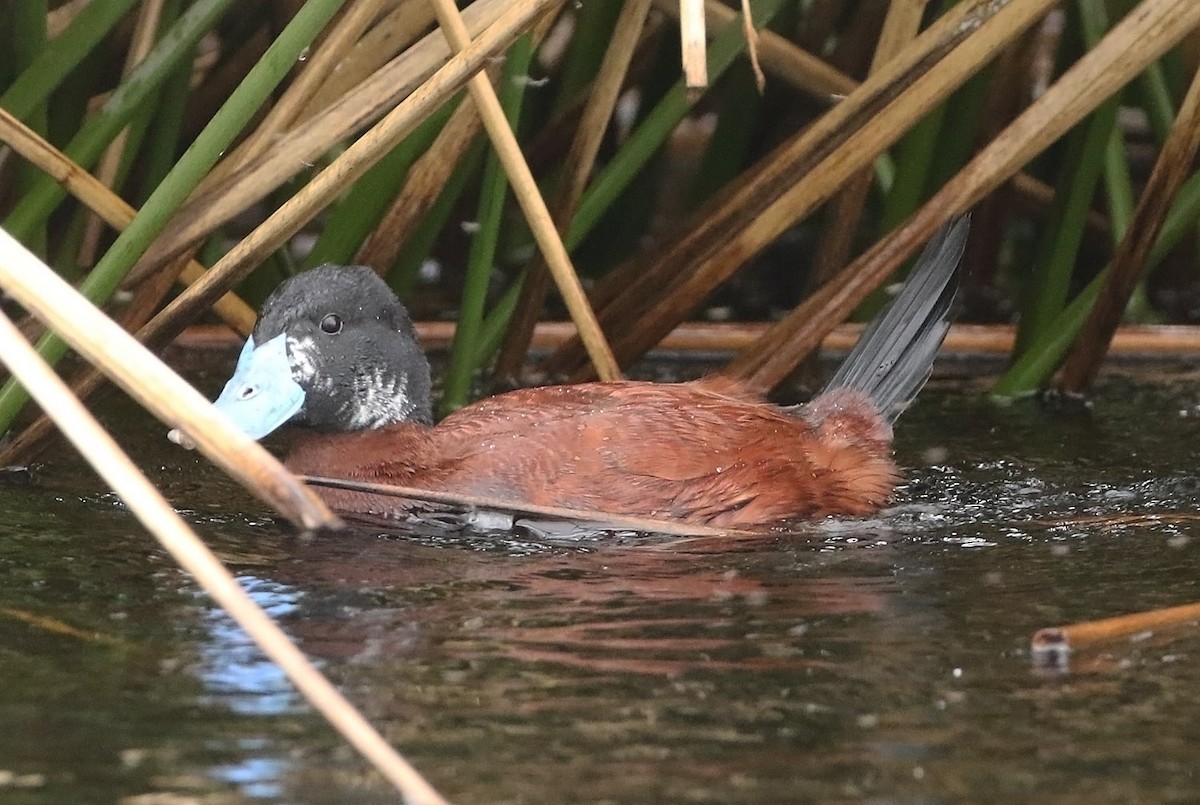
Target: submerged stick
152 383
602 519
120 473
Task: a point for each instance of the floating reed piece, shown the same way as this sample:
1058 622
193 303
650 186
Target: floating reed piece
1052 647
122 475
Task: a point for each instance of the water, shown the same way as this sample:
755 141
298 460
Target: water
883 660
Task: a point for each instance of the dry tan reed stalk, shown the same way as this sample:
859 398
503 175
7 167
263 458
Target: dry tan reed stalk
153 512
694 44
344 32
144 33
352 164
751 33
425 180
341 38
403 25
94 195
580 160
59 18
845 209
422 76
1173 166
1131 340
780 57
1139 39
342 35
658 290
528 195
144 377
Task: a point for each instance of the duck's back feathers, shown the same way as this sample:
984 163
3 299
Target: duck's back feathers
708 452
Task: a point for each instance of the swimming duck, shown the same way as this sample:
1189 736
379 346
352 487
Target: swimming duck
334 350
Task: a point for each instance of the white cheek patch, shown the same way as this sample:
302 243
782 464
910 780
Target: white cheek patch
379 400
300 355
375 399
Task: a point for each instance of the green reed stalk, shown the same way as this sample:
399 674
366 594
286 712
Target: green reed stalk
1048 286
91 140
1034 367
60 55
594 24
358 214
653 131
482 257
27 29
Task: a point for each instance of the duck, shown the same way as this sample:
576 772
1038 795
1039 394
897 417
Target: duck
335 352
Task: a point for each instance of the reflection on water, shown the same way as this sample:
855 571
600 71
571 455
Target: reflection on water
872 659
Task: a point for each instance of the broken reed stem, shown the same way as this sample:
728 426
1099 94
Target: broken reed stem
1173 166
1137 40
1055 640
94 195
144 377
153 512
751 34
530 198
602 519
580 160
780 56
694 43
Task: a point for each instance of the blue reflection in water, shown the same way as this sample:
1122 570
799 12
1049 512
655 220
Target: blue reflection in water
238 676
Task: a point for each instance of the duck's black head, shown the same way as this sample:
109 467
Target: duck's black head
333 349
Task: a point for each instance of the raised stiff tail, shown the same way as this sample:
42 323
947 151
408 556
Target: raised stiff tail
894 356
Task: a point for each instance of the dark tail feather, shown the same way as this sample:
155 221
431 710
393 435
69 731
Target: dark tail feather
894 356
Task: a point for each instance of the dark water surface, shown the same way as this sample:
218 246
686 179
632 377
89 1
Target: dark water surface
883 660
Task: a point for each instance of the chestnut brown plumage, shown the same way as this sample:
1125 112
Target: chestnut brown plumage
707 452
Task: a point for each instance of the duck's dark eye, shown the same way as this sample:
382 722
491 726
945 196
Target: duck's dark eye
331 324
